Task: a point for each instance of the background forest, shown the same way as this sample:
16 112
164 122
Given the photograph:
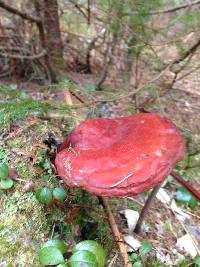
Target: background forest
65 61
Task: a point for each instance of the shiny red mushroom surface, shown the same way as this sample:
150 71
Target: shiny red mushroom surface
120 157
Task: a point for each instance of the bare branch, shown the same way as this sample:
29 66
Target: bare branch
170 10
15 49
188 73
108 60
166 11
41 54
79 9
115 231
188 52
19 13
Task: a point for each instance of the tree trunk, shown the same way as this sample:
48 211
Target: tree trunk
53 36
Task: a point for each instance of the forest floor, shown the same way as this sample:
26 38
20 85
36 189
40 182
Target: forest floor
26 223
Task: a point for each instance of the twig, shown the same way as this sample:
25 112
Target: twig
116 232
142 86
112 263
41 54
135 200
170 10
22 129
19 13
189 187
166 11
107 62
79 9
146 208
88 12
188 52
188 73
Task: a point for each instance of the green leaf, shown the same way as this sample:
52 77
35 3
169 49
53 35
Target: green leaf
192 203
133 256
146 247
137 264
44 195
4 171
37 193
196 260
50 256
182 195
83 258
59 244
94 247
59 194
6 183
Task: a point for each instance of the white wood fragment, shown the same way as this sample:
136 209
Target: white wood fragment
186 243
132 242
132 217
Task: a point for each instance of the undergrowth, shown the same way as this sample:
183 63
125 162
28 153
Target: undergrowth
17 105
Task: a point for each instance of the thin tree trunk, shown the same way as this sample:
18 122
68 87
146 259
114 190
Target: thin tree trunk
53 36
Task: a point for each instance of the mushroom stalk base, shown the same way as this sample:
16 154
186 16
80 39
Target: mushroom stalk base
115 230
145 209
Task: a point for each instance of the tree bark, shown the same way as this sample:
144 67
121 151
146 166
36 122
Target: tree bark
53 36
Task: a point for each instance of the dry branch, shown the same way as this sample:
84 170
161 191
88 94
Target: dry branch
116 232
19 13
187 53
145 209
41 54
170 10
79 9
186 185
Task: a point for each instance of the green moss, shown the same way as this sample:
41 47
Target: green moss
23 226
3 153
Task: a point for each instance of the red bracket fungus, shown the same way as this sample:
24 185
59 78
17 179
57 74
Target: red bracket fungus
120 157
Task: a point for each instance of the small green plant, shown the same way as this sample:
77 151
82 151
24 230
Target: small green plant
43 161
86 253
59 194
184 197
94 248
196 261
51 256
5 181
139 258
59 244
45 195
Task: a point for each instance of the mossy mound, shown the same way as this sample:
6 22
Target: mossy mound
23 227
25 223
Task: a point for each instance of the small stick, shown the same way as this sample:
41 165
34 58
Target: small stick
115 231
22 129
185 184
145 209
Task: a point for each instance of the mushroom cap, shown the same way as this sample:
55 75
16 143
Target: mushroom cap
120 157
